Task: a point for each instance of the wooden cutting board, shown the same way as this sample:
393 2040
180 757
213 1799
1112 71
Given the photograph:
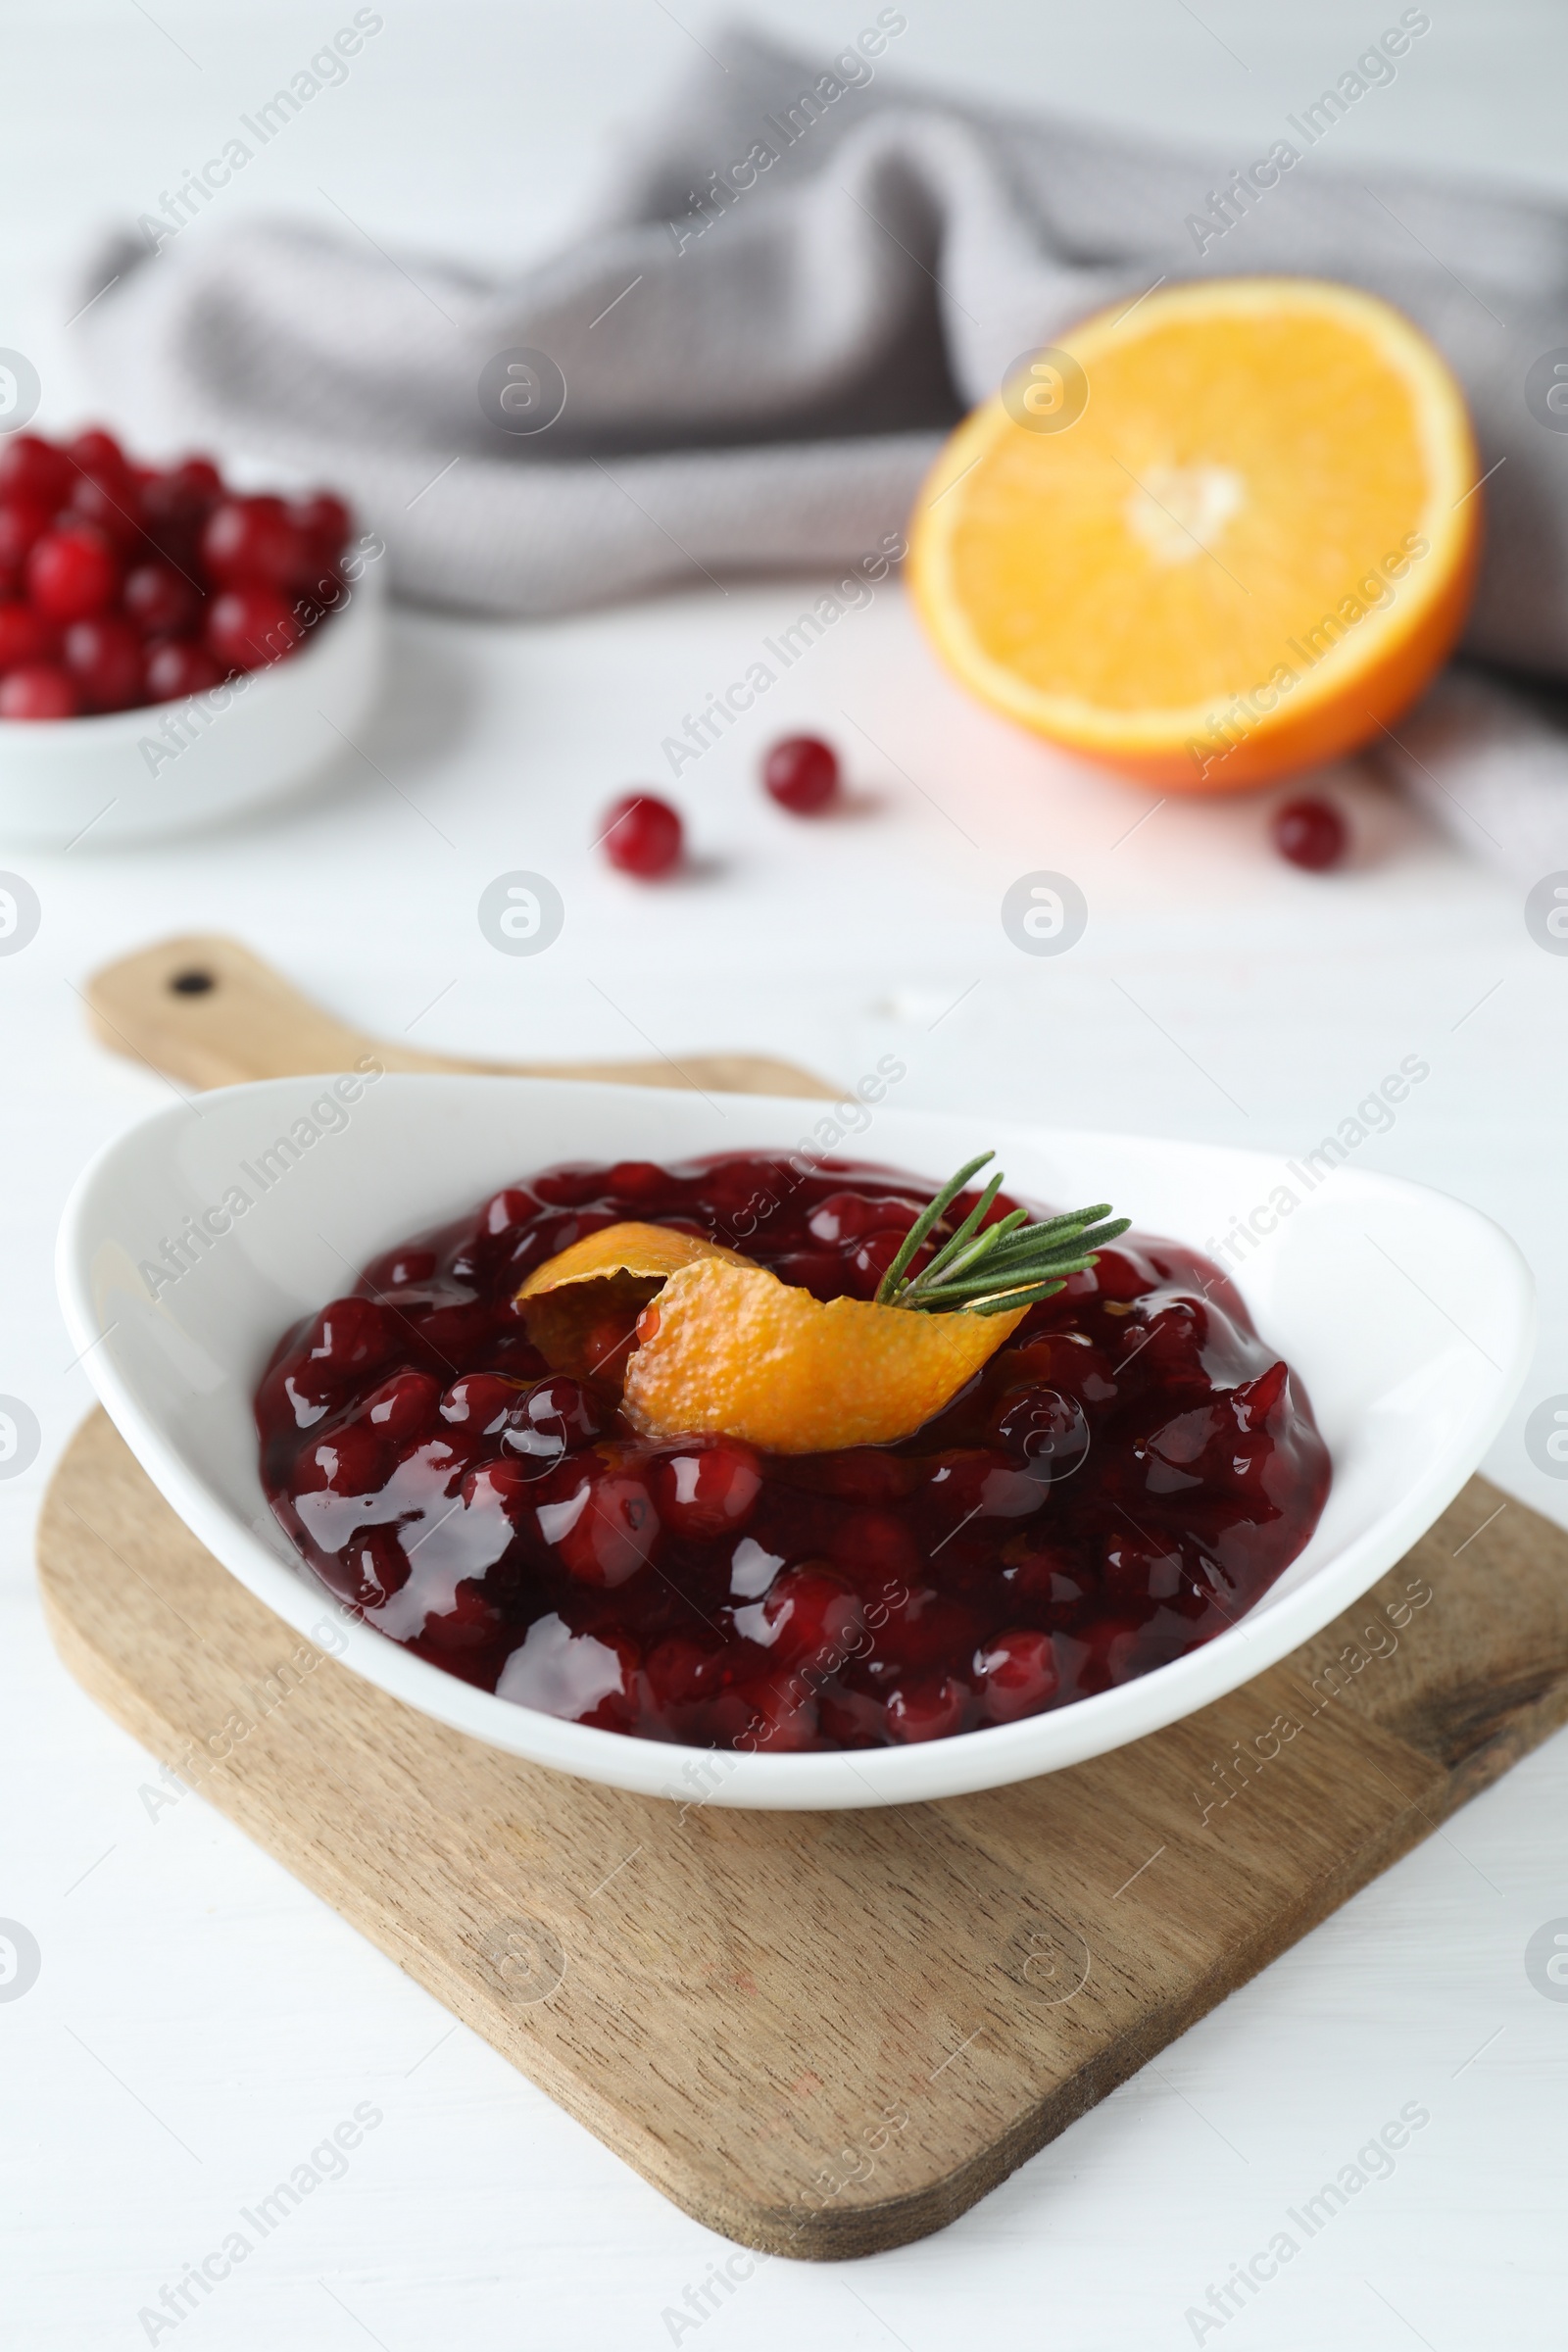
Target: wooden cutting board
821 2035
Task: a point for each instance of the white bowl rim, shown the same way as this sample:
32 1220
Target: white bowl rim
835 1779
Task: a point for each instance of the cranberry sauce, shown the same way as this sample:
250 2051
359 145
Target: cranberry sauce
1125 1477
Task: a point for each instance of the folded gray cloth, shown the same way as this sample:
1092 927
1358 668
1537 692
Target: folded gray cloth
1489 762
802 282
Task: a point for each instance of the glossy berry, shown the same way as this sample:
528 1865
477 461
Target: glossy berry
251 625
38 690
1311 833
641 836
530 1537
162 602
803 774
927 1706
352 1335
105 658
710 1490
604 1531
253 539
1016 1673
175 668
23 637
810 1615
71 571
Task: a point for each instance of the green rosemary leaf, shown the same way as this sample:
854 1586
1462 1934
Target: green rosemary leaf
987 1270
932 1214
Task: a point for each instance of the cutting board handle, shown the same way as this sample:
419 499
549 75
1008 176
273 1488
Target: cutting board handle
206 1010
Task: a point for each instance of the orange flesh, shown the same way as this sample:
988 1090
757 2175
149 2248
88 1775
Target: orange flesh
1254 462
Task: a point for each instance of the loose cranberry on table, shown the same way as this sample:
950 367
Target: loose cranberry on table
1311 833
643 836
802 773
1128 1474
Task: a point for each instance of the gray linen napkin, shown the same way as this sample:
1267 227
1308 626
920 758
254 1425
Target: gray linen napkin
759 356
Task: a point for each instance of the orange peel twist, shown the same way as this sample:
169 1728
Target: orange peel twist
726 1348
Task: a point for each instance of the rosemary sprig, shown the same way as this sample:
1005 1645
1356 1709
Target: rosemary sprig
987 1270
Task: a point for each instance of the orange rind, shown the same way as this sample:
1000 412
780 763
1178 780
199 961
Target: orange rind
1227 531
726 1349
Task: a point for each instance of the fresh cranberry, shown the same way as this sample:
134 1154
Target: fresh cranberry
325 522
105 658
32 468
927 1706
22 521
251 625
38 690
641 836
95 452
1311 833
803 774
176 505
177 668
113 504
161 601
196 478
603 1531
1016 1673
246 539
710 1490
23 637
71 572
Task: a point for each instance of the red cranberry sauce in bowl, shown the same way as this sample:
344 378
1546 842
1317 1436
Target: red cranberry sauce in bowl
1122 1480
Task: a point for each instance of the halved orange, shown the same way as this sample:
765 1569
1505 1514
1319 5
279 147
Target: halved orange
726 1348
1252 543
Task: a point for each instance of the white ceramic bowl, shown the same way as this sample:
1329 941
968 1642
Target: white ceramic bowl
1409 1317
128 775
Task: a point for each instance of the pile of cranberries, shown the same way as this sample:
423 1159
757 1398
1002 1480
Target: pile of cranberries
1126 1476
121 585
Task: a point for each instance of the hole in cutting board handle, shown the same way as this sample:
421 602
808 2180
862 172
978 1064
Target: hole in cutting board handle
192 984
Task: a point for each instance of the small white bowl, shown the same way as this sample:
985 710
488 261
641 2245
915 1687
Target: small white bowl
1409 1317
128 775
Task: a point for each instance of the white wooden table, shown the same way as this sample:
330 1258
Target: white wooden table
200 2024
